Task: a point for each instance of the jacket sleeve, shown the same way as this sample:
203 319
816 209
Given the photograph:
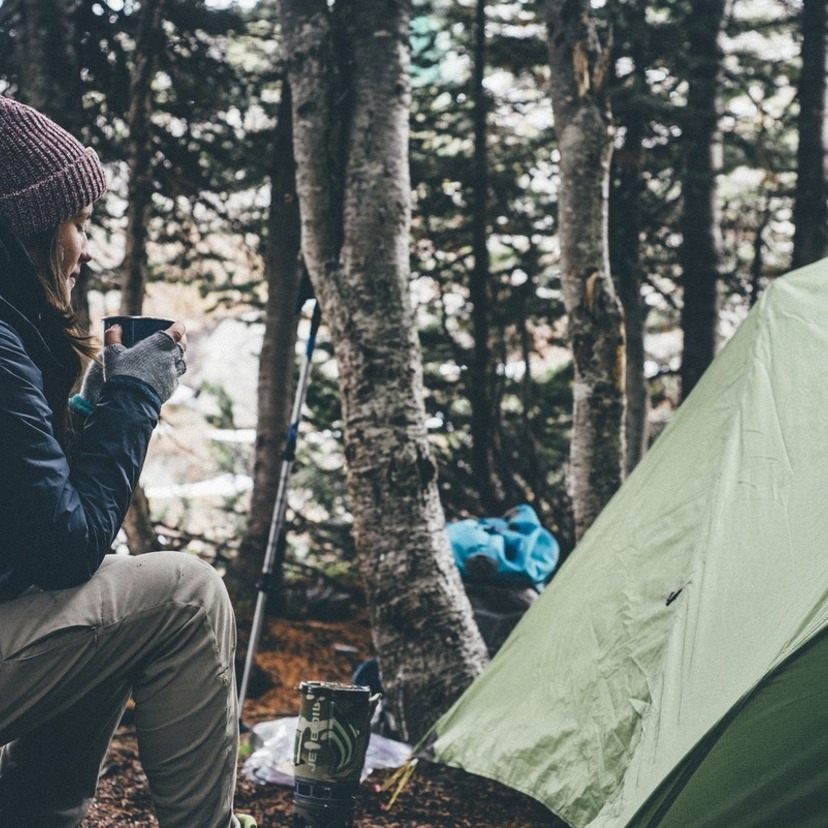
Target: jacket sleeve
60 518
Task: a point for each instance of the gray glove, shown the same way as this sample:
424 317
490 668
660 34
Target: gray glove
158 360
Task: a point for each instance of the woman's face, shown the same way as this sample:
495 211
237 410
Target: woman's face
73 248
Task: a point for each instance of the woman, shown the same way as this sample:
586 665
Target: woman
80 630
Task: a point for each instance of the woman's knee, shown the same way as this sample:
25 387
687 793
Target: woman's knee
198 576
198 582
130 584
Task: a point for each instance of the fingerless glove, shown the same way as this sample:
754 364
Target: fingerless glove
157 360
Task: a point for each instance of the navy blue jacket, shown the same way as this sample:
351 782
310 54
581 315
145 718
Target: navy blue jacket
58 518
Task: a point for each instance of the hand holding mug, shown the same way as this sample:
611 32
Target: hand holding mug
158 359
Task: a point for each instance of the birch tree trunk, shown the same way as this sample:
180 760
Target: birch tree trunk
811 206
699 253
582 124
348 67
138 524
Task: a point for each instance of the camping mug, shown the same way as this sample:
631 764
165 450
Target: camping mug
136 328
329 751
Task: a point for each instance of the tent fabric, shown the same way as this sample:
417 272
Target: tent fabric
764 766
705 573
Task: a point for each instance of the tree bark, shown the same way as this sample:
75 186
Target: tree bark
625 225
480 396
699 253
50 82
49 71
140 185
811 205
582 124
277 359
138 524
138 527
348 66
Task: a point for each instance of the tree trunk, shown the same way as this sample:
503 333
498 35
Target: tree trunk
355 238
700 222
138 524
811 205
480 396
50 82
140 186
49 71
277 359
579 67
625 226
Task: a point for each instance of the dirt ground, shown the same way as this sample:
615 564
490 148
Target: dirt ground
295 651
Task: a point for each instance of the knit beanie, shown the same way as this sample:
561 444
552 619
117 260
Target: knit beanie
46 175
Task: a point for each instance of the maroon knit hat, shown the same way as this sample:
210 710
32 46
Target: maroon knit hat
46 175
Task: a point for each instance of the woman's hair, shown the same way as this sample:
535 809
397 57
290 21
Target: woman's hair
45 251
59 326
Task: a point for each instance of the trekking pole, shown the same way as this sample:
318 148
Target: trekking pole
266 580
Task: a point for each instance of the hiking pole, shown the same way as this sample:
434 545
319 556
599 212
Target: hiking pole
266 580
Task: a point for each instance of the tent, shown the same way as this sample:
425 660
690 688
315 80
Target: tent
675 670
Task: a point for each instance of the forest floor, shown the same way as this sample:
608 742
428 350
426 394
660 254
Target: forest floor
291 652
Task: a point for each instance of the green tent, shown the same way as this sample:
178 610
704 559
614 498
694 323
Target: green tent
675 671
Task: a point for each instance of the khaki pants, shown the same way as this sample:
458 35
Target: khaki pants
158 627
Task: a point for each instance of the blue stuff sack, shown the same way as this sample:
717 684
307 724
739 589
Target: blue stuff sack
514 548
